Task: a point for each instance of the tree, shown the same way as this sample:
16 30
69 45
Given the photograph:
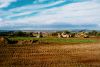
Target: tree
20 33
55 33
67 32
98 34
94 33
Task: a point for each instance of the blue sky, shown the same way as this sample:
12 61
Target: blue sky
49 14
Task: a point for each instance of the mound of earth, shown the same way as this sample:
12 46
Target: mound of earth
25 42
3 40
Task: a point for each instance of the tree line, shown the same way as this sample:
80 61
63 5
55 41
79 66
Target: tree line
31 34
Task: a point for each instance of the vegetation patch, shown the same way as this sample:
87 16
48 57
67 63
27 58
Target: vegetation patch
67 40
55 40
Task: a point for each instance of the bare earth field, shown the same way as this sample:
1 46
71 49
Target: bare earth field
51 55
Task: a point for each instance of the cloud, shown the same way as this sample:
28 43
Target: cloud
29 16
0 19
74 13
5 3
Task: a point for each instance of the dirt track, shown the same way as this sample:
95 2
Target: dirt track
84 55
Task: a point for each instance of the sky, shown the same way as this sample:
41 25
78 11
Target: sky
49 14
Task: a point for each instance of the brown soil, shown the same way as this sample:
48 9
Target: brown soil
52 55
25 42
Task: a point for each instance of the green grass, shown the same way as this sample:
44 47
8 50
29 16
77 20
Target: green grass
67 40
58 40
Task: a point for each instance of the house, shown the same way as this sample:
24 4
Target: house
81 35
63 35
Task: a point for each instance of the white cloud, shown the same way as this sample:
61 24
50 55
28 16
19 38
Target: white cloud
25 10
86 12
5 3
0 19
75 13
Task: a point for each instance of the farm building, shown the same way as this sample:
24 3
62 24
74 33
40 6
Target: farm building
63 35
82 35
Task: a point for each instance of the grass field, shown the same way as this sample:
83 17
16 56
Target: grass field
59 40
52 52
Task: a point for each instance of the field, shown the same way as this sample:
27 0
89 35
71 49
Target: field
59 40
52 52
